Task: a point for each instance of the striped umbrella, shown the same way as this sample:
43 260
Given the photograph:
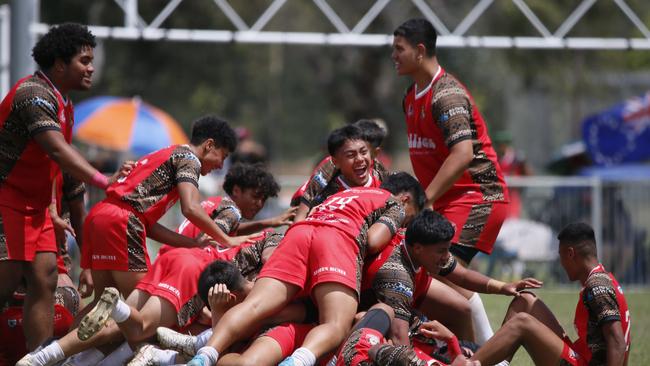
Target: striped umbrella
124 124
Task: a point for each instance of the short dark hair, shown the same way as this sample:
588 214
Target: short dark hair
580 236
373 133
338 137
212 127
62 42
400 182
219 272
416 31
429 227
251 176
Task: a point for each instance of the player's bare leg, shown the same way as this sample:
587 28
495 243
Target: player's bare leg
41 277
141 324
522 330
264 351
527 302
448 306
337 306
267 297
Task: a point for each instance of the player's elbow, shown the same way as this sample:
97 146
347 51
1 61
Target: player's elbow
191 211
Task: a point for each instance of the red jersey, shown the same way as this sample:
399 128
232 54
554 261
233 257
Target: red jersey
151 187
439 117
601 301
354 210
32 106
327 180
222 211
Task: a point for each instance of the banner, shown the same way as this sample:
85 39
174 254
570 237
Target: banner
620 134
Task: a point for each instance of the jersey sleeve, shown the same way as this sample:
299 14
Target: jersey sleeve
388 354
317 182
73 189
599 297
393 216
394 287
379 170
226 216
187 166
451 110
449 266
37 107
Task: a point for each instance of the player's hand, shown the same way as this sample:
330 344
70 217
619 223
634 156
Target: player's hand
205 240
286 218
462 361
220 298
124 170
60 227
86 284
434 329
239 240
513 288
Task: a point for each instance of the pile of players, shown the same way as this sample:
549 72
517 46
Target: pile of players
372 270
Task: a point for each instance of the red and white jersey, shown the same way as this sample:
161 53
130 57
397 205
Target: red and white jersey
327 180
32 106
354 210
222 211
151 187
439 117
601 301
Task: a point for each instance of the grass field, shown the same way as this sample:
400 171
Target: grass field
563 302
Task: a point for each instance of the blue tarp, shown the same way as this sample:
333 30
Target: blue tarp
624 172
620 134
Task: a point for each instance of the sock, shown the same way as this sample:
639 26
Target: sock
118 357
121 312
88 357
202 339
503 363
482 328
303 357
165 357
210 353
50 354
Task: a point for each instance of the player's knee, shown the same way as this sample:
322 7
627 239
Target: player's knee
523 303
385 308
521 321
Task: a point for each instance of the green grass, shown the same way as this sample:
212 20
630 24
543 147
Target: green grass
563 302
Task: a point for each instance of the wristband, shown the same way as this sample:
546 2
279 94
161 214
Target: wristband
454 348
99 180
493 286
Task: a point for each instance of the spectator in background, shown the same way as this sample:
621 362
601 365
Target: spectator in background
248 150
513 163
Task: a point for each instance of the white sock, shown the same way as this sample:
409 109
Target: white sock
165 357
503 363
210 353
50 354
88 357
202 339
121 312
303 357
482 328
118 357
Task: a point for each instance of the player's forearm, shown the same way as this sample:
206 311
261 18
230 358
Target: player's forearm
252 227
400 332
77 216
474 281
163 235
450 171
66 156
197 216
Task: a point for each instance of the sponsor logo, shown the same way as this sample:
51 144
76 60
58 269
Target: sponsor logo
104 257
329 269
372 339
417 142
171 288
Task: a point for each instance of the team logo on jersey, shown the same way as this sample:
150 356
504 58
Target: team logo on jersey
410 110
372 339
422 114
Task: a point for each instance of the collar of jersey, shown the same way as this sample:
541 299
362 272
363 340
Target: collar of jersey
42 75
346 186
419 94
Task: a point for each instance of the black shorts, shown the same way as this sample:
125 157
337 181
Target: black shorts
466 254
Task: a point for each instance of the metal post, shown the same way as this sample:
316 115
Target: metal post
131 13
5 50
24 13
597 214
